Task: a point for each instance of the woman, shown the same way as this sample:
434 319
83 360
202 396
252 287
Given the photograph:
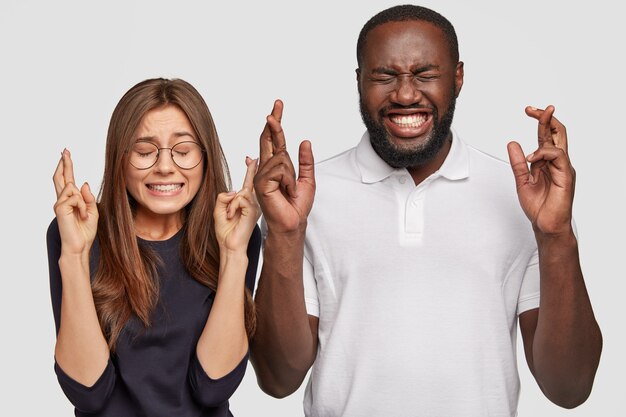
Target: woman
151 286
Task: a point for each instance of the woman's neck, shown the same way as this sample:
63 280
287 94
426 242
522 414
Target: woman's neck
151 226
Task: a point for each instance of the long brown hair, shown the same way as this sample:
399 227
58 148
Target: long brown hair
125 281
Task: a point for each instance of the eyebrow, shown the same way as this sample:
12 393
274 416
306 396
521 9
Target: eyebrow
183 133
391 71
152 138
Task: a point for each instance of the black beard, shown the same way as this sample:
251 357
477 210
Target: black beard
406 158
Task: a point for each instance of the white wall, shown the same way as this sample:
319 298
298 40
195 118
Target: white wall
65 64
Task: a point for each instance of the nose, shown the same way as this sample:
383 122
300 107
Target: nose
165 163
406 91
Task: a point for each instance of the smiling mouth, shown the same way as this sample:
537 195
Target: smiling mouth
164 188
410 120
407 124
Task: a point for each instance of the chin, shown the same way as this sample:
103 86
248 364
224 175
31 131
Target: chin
164 209
409 145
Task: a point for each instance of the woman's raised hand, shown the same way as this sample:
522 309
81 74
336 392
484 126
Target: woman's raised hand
75 209
236 213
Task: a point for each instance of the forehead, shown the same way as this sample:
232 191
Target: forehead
163 120
406 44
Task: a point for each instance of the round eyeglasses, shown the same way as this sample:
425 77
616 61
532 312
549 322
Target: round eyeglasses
186 155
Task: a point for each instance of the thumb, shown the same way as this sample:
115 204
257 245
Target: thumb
88 196
223 200
306 162
91 206
518 164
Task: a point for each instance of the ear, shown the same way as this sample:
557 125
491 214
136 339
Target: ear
458 78
358 79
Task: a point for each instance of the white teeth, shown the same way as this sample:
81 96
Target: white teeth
164 187
412 120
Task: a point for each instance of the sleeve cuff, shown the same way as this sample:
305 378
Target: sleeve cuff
87 399
528 303
312 307
213 392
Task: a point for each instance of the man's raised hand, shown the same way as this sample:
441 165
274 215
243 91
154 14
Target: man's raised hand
546 190
284 199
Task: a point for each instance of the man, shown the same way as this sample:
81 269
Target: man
419 258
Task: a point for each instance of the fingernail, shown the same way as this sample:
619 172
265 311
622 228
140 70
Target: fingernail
533 108
232 193
531 179
529 157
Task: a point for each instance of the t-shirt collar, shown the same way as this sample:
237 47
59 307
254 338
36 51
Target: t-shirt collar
374 169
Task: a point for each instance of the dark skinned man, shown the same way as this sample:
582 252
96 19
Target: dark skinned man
404 284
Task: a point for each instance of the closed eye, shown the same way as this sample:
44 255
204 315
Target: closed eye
144 154
426 77
383 79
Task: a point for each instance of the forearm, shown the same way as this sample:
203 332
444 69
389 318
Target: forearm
283 347
567 342
81 350
224 342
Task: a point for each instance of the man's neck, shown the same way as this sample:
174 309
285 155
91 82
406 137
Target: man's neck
421 172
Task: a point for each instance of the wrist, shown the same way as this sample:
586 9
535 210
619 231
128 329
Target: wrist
563 240
227 256
284 223
289 235
73 263
70 258
233 266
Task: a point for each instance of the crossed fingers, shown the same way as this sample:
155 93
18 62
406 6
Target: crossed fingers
550 131
69 196
244 199
273 137
274 162
64 173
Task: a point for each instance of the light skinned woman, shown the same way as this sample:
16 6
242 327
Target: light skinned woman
151 283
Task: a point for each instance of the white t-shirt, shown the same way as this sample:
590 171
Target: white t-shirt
417 288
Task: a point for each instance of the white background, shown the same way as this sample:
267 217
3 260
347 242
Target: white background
64 65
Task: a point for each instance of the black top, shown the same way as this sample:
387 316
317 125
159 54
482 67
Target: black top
154 371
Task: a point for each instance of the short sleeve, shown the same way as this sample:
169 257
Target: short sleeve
529 291
311 299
